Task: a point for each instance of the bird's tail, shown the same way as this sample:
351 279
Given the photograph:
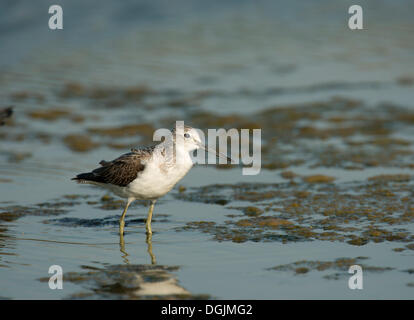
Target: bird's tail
87 177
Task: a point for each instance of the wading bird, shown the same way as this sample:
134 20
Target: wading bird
148 173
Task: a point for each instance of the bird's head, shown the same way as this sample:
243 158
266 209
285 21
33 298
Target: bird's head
191 140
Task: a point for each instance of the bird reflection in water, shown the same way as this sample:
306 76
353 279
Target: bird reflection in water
125 253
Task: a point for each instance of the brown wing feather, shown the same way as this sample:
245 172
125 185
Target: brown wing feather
121 171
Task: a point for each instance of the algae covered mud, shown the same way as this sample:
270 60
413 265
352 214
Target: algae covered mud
335 108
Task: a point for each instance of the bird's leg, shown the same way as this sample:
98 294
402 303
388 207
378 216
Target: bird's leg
149 218
122 248
149 243
122 220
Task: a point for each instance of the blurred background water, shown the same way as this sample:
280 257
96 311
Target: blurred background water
174 60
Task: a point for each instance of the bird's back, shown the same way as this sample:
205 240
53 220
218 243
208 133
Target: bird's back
119 172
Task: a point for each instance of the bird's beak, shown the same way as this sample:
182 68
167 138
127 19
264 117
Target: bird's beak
218 154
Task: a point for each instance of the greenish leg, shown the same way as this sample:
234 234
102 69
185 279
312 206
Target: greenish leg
149 243
149 218
122 248
122 220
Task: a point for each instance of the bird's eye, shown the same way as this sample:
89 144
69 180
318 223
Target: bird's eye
186 135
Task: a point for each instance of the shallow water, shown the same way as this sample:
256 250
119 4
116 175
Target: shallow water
330 102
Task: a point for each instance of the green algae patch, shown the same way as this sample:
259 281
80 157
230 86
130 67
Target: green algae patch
55 114
410 246
336 133
15 157
12 213
339 264
252 211
288 175
75 196
255 196
275 165
79 143
48 115
108 202
318 178
244 223
390 178
27 95
72 89
358 241
274 222
111 203
301 270
78 90
120 146
355 213
124 130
